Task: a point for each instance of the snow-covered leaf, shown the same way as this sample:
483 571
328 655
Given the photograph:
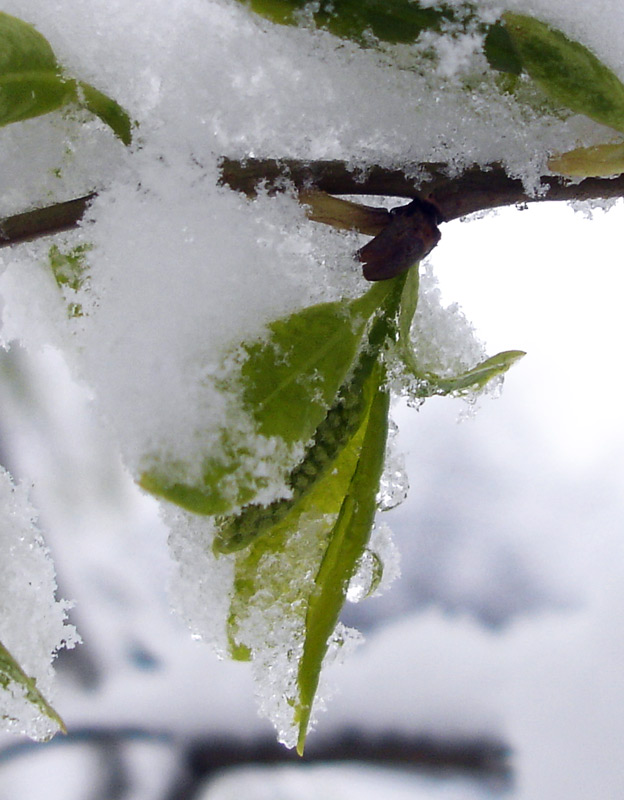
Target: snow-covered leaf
287 381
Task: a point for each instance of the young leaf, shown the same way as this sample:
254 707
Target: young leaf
12 673
567 71
477 377
277 526
430 384
407 309
323 502
347 542
362 21
599 161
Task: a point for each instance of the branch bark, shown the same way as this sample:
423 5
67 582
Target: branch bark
475 189
455 196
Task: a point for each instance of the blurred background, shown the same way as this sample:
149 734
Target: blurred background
493 667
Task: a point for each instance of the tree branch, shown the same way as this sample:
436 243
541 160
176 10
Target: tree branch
475 189
455 196
43 221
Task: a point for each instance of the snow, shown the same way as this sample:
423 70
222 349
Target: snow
32 620
182 269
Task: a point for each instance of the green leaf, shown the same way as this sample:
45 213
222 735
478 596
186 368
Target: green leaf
567 71
69 269
392 21
428 383
31 83
326 493
347 542
323 502
12 673
408 304
290 380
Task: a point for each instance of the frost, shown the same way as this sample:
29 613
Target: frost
32 622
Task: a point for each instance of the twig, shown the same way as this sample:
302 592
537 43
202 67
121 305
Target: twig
476 189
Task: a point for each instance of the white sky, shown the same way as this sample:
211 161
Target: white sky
548 280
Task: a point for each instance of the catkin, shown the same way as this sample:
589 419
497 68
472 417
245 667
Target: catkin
340 423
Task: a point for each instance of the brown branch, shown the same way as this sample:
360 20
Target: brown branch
476 189
43 221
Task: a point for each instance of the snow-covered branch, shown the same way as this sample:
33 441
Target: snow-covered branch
476 189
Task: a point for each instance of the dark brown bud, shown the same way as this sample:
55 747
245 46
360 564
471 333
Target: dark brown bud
410 235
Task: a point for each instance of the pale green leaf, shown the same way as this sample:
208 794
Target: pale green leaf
332 433
277 524
409 302
12 673
599 161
